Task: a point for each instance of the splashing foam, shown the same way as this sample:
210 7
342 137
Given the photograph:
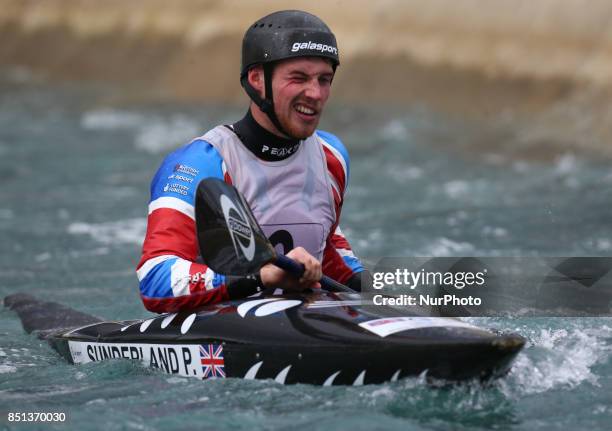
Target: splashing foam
446 247
7 369
153 133
131 231
559 358
395 130
166 135
112 119
566 164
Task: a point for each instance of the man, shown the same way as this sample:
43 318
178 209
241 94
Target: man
292 175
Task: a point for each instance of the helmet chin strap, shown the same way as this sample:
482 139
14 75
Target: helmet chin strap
267 104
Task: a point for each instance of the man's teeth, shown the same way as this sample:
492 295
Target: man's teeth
304 110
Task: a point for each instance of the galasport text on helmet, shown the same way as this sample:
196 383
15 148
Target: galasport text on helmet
280 36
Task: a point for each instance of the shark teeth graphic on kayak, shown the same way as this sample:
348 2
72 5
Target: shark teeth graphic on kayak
245 307
252 373
167 320
282 376
275 307
145 325
187 323
267 306
330 380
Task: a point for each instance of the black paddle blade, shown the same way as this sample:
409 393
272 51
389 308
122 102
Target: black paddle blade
231 242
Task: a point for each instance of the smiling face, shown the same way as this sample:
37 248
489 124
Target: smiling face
301 87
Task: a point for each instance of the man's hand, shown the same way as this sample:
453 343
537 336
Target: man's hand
273 276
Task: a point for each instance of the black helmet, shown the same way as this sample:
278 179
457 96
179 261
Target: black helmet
286 34
279 36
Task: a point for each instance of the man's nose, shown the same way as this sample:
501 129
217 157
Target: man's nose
313 89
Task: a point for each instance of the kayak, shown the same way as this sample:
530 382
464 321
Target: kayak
319 338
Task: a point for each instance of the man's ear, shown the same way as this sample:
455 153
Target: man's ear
255 76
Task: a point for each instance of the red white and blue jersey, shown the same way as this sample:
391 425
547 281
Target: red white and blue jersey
301 196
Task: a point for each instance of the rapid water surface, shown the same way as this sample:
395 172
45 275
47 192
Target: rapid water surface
75 175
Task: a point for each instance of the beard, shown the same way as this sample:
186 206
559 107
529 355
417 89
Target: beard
295 126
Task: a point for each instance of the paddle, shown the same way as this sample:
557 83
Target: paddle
230 239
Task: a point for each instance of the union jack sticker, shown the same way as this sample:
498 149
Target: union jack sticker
211 358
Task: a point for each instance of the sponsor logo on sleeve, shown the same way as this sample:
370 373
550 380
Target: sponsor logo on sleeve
179 177
185 169
176 188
